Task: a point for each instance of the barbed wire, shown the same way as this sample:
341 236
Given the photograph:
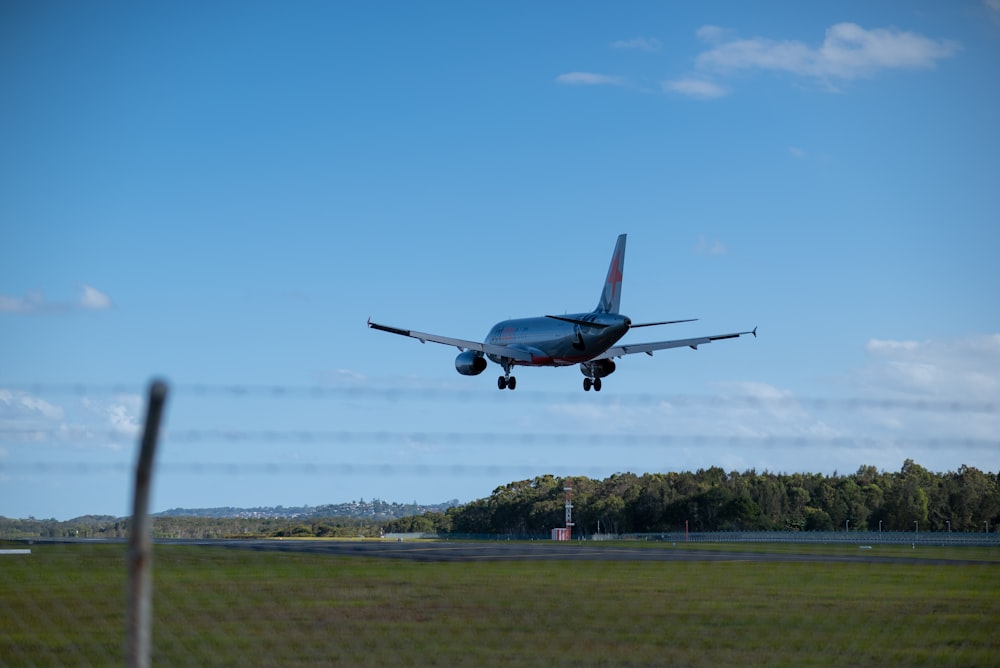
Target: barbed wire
284 468
425 394
19 435
322 437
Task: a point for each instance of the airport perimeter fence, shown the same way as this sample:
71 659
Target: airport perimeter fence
76 604
871 538
925 538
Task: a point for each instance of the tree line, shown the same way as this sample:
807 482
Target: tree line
205 528
966 500
913 498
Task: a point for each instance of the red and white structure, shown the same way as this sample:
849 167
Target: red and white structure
566 532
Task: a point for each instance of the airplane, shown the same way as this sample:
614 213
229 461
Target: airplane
587 339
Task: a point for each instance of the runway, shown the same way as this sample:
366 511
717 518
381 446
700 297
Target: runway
471 551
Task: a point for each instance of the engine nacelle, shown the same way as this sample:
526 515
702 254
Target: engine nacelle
597 368
470 363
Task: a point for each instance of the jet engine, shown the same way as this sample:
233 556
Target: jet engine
471 363
597 368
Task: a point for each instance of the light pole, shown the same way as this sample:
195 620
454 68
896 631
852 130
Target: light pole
949 525
880 526
847 526
916 526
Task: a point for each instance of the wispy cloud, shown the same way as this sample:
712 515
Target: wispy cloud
349 375
34 301
942 373
118 416
101 422
27 418
933 369
589 79
94 299
993 7
923 400
847 52
706 246
696 88
796 152
16 405
638 44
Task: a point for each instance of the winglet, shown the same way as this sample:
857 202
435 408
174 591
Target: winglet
754 332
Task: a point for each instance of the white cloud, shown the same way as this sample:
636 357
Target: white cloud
26 418
940 390
20 405
932 401
638 43
710 33
119 419
878 346
10 304
106 423
697 88
965 369
94 299
796 152
993 10
119 414
34 302
710 247
848 52
589 79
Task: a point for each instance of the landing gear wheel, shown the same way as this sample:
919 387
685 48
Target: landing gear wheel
502 383
597 385
511 383
586 384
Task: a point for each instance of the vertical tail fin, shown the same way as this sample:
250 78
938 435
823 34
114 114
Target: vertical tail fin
611 296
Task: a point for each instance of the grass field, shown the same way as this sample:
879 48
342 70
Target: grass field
63 605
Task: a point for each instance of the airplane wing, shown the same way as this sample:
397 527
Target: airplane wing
461 344
648 348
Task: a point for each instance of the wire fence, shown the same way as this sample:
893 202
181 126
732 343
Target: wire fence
626 440
64 604
432 394
23 431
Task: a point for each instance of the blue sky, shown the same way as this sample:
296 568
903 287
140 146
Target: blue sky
222 195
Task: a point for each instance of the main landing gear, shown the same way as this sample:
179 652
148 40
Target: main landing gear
588 383
507 381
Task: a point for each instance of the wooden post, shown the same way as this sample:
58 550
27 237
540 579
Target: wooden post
140 542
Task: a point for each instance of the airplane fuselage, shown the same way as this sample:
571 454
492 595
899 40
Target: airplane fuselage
557 342
587 339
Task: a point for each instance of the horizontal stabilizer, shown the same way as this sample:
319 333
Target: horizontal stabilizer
665 322
582 323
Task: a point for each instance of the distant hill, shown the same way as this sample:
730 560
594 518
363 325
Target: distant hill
373 509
